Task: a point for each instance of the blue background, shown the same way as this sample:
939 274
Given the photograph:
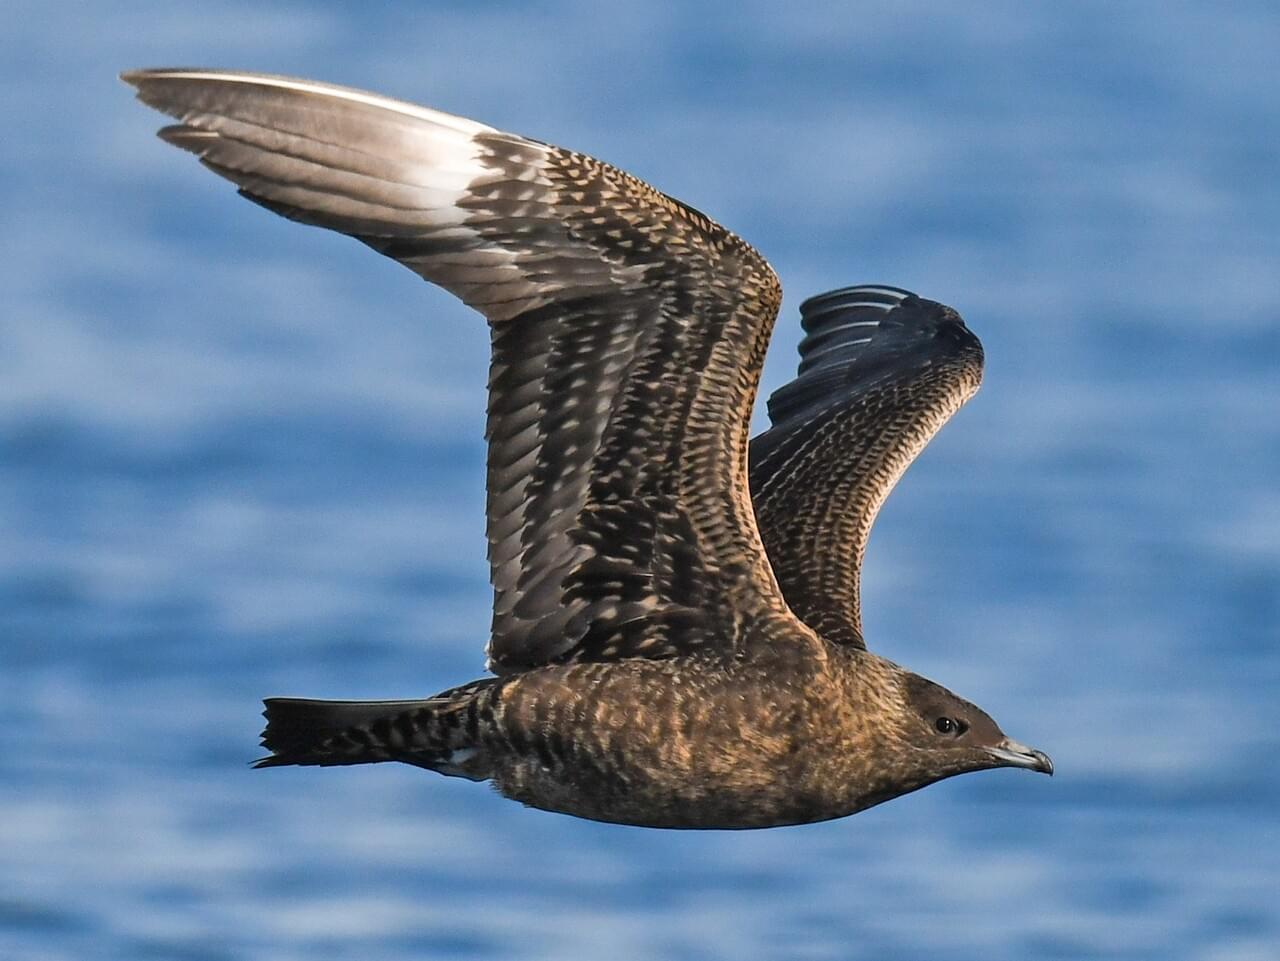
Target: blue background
241 458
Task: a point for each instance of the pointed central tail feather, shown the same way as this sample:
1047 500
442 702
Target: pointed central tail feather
314 732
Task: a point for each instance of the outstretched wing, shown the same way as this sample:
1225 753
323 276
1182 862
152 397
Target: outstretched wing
628 332
881 370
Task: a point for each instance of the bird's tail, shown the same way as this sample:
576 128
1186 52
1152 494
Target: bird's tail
425 733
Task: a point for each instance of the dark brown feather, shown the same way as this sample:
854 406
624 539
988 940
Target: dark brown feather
881 371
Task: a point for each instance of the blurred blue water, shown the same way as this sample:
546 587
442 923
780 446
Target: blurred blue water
238 458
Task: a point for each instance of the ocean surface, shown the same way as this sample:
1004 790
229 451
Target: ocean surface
239 458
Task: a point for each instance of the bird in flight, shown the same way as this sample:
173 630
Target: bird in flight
676 637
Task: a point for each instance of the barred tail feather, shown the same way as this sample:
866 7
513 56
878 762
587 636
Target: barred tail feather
312 732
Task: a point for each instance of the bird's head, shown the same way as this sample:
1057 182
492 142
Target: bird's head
953 736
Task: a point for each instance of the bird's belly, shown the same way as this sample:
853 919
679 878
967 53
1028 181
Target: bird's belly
648 801
716 759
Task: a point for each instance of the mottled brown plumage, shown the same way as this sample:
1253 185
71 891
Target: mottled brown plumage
881 371
650 669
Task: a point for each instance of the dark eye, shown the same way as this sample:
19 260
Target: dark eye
944 725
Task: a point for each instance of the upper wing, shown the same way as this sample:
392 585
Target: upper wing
628 331
881 370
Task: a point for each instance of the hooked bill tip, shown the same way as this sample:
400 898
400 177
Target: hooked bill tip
1012 754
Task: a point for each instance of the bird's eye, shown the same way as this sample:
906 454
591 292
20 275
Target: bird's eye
944 725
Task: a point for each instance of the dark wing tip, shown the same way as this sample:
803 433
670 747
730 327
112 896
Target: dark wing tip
853 335
878 295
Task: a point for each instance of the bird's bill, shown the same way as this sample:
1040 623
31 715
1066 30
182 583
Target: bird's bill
1012 754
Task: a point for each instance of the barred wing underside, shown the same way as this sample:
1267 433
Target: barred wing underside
881 370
